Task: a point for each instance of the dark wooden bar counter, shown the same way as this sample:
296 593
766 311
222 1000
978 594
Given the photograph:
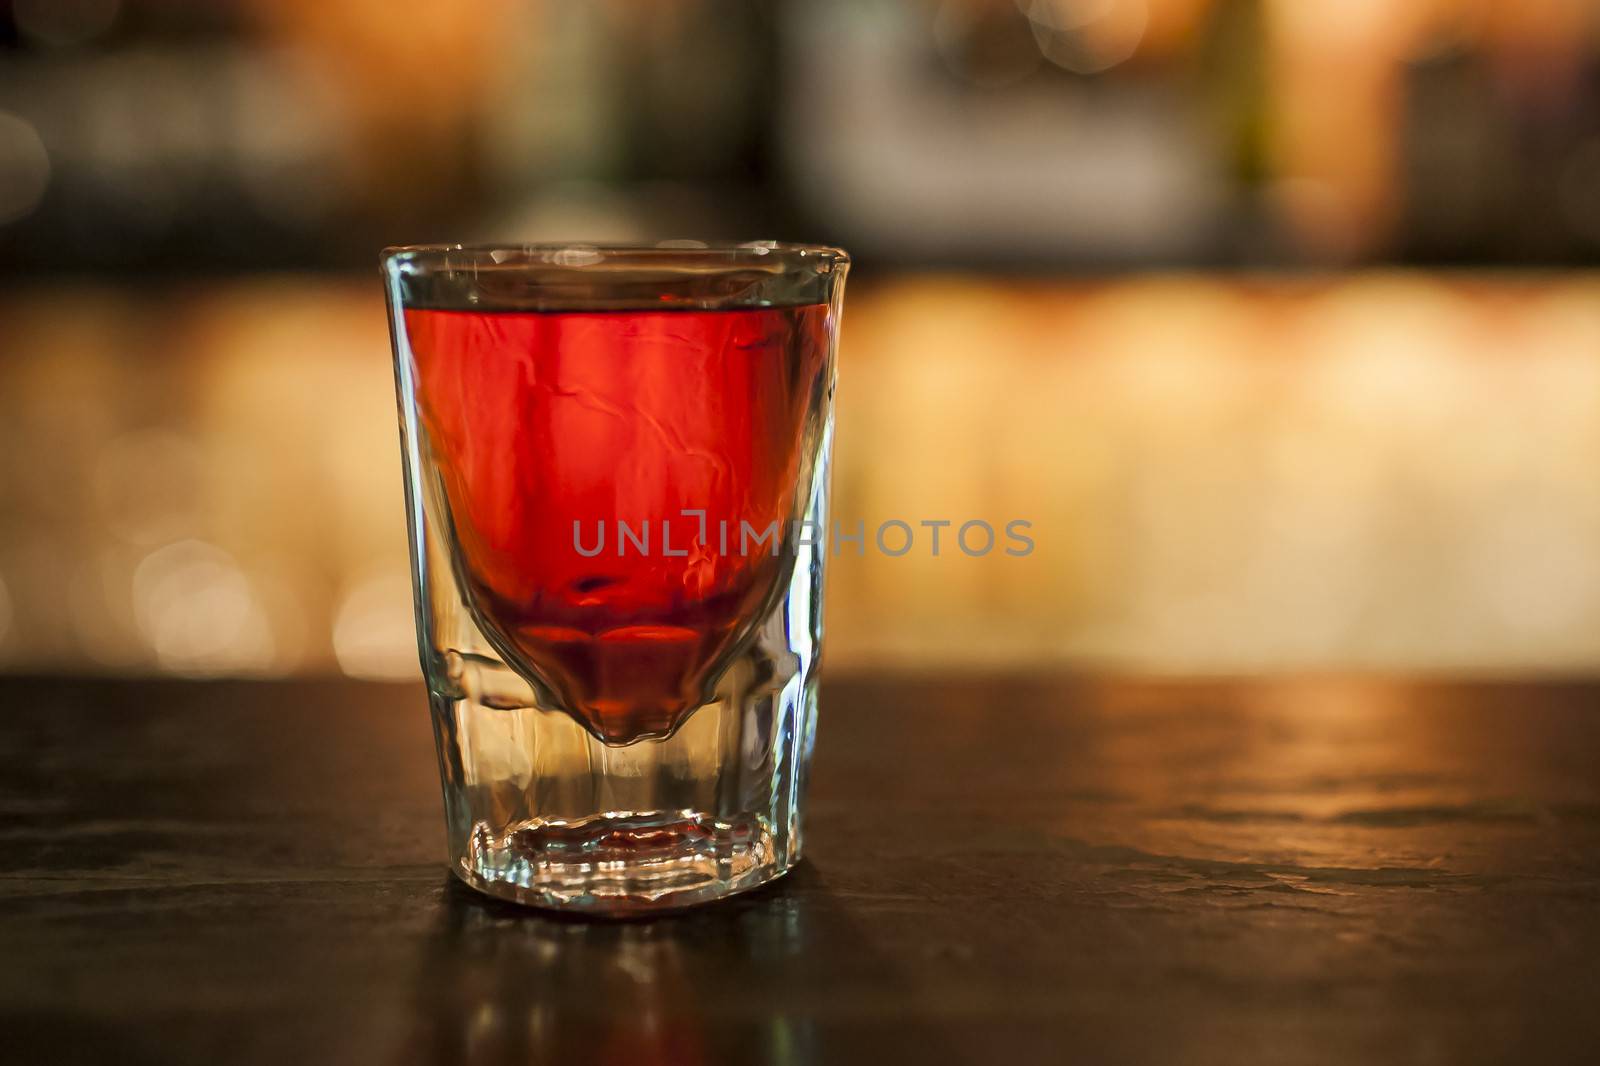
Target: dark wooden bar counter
999 870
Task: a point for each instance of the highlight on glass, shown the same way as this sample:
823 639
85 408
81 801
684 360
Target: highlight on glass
616 465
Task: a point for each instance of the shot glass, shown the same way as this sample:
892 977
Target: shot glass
616 471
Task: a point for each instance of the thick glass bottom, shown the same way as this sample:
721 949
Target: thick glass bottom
541 811
622 863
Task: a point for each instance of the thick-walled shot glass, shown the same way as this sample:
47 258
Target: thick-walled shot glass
616 471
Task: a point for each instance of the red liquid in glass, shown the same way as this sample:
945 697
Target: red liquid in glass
538 420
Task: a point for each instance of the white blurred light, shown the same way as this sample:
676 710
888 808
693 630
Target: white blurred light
1388 350
197 611
24 168
64 22
1087 36
374 634
1065 14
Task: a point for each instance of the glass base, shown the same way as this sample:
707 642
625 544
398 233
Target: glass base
541 811
622 863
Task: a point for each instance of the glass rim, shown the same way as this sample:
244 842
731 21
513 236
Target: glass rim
429 258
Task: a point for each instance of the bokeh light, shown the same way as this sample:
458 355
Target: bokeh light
24 168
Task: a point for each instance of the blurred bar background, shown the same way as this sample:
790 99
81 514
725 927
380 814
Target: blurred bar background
1278 319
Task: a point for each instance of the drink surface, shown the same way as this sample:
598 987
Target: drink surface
540 421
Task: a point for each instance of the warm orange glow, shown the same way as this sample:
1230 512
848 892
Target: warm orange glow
1223 475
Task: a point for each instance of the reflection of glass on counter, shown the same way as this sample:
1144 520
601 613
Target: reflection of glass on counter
508 987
